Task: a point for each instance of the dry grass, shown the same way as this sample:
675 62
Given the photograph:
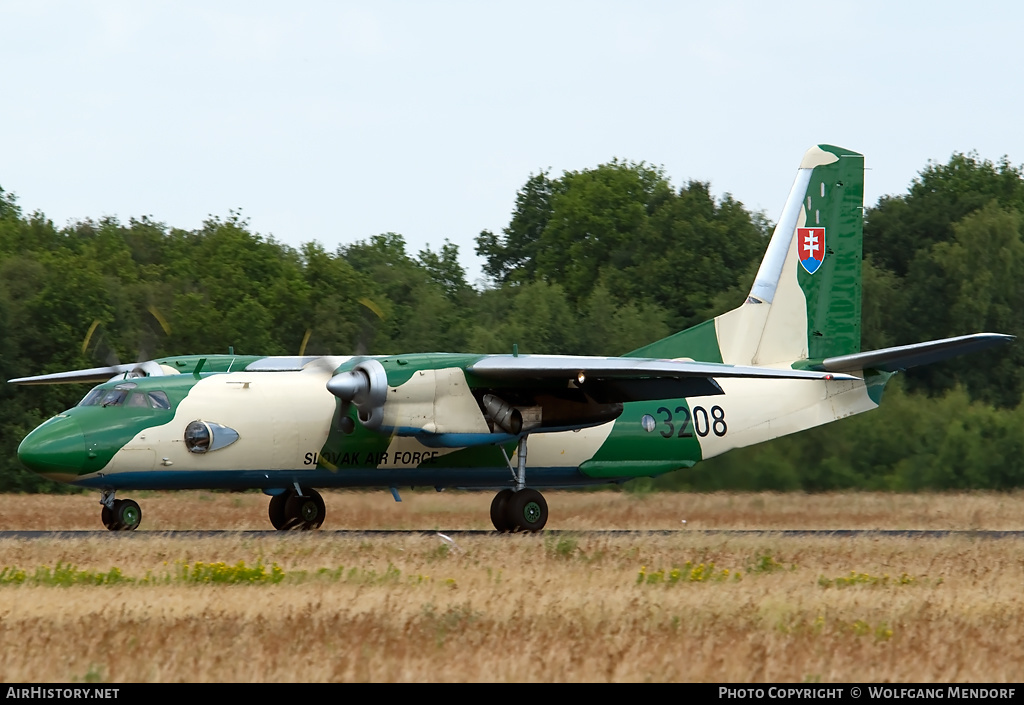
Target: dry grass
564 607
572 511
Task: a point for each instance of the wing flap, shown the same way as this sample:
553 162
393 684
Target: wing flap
554 366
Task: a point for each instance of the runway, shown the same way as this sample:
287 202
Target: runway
922 534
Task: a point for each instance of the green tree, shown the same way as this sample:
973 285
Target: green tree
444 269
598 216
941 261
943 194
975 282
624 225
338 322
513 256
608 328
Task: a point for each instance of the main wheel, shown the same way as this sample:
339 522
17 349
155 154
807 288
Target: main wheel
128 514
305 513
278 517
107 516
499 513
527 510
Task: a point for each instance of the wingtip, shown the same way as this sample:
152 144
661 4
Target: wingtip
995 337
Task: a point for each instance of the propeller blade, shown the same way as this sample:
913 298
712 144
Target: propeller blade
93 375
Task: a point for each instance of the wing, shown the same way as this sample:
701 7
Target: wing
462 400
93 375
172 365
621 379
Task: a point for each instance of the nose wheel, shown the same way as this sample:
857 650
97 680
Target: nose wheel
120 514
291 511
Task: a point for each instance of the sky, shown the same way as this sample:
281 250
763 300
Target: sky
336 121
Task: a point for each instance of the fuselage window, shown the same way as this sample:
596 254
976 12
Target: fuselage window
158 400
197 437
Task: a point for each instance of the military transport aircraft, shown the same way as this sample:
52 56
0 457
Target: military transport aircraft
787 359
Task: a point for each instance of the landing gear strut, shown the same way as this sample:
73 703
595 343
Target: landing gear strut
521 509
120 514
298 509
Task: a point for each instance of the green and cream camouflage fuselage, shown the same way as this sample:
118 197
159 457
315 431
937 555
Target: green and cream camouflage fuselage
287 432
436 429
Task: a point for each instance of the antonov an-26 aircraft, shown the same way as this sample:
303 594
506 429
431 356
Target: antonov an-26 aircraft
787 359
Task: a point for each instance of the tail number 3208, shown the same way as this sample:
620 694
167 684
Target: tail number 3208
702 422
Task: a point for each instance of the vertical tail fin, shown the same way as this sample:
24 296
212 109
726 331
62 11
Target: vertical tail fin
805 301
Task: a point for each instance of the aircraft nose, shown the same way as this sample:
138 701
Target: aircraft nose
56 449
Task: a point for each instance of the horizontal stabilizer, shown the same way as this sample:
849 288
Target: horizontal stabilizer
906 356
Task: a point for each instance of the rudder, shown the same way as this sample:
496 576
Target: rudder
805 302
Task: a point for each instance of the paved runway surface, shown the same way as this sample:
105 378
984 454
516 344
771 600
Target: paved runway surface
345 533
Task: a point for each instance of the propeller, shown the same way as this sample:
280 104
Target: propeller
144 366
365 387
102 351
369 327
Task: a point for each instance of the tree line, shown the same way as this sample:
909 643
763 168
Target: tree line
598 261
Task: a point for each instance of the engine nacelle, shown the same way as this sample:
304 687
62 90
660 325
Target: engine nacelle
366 387
511 419
435 405
507 417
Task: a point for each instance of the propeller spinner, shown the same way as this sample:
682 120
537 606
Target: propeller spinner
366 387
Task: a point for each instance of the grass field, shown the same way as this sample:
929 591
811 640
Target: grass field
571 606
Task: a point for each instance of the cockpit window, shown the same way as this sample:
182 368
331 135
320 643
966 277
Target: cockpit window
138 399
111 397
115 397
93 397
125 395
149 400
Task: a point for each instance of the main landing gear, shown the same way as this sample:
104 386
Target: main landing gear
298 509
525 510
522 508
120 514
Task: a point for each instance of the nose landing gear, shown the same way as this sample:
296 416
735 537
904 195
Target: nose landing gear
120 514
297 510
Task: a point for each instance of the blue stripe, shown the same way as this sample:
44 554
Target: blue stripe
468 478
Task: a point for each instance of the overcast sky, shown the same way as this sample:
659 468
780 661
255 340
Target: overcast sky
335 121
